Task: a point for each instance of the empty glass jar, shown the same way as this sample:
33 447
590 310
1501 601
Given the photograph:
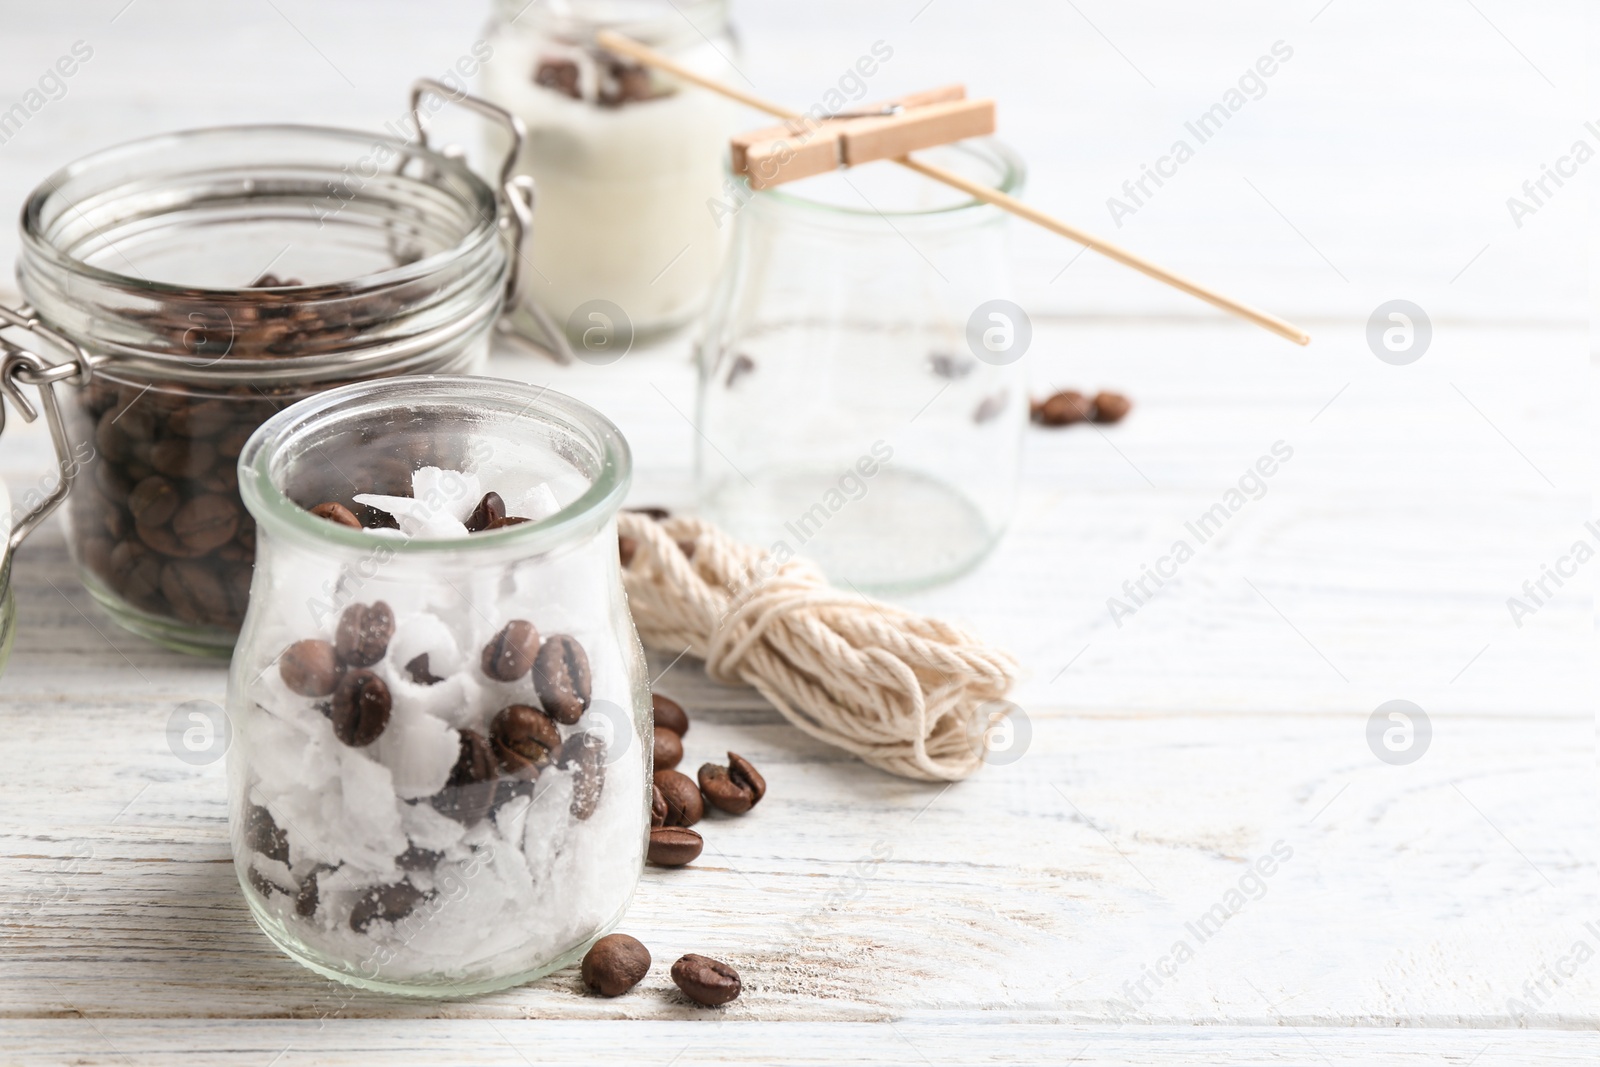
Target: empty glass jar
439 783
860 402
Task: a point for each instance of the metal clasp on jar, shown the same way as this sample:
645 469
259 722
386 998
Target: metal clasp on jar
517 194
23 367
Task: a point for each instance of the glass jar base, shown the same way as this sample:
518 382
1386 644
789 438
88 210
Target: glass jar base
178 636
438 989
908 531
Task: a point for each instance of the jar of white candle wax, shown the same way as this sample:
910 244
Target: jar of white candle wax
440 778
628 164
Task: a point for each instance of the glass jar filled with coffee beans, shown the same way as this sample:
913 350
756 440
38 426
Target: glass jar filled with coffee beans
440 776
198 283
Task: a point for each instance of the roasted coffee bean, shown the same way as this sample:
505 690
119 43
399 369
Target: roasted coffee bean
584 754
223 478
113 483
310 668
658 806
418 670
153 501
489 511
684 806
206 522
470 792
385 903
742 365
336 512
206 418
418 859
260 883
615 964
735 788
509 654
238 581
117 523
307 899
164 541
627 548
194 590
97 554
177 457
686 547
1062 409
561 678
373 519
363 634
137 573
231 442
655 514
673 846
989 408
560 75
705 980
668 749
360 709
524 738
262 834
506 520
1111 407
110 440
669 713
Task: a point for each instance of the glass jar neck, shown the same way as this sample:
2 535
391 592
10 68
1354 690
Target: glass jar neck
456 423
194 257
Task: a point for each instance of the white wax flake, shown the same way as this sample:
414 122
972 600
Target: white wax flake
537 503
417 518
442 500
419 751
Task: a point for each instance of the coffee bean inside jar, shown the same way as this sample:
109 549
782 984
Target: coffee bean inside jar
237 297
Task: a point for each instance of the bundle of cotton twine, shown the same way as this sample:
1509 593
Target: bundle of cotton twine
906 693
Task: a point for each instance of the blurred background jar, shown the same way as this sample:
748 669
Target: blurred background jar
627 164
859 401
211 278
439 783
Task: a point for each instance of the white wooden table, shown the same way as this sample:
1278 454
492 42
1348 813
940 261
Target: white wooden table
1438 912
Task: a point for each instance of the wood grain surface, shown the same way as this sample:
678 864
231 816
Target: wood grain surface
1444 911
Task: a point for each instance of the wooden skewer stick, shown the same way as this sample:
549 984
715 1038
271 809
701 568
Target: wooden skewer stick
616 42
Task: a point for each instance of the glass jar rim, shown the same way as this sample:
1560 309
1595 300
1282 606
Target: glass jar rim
34 241
588 514
1004 159
621 13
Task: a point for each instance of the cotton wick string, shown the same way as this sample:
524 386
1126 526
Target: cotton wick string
906 693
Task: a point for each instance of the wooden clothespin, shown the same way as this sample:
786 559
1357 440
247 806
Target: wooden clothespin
804 146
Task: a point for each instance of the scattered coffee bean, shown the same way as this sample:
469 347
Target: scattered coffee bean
989 408
385 903
363 634
490 510
1062 409
509 654
561 678
419 672
658 806
360 708
524 739
673 846
336 512
742 365
654 514
310 668
668 749
735 788
469 794
669 713
262 834
585 755
559 74
615 964
179 458
627 548
684 806
705 980
1111 407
